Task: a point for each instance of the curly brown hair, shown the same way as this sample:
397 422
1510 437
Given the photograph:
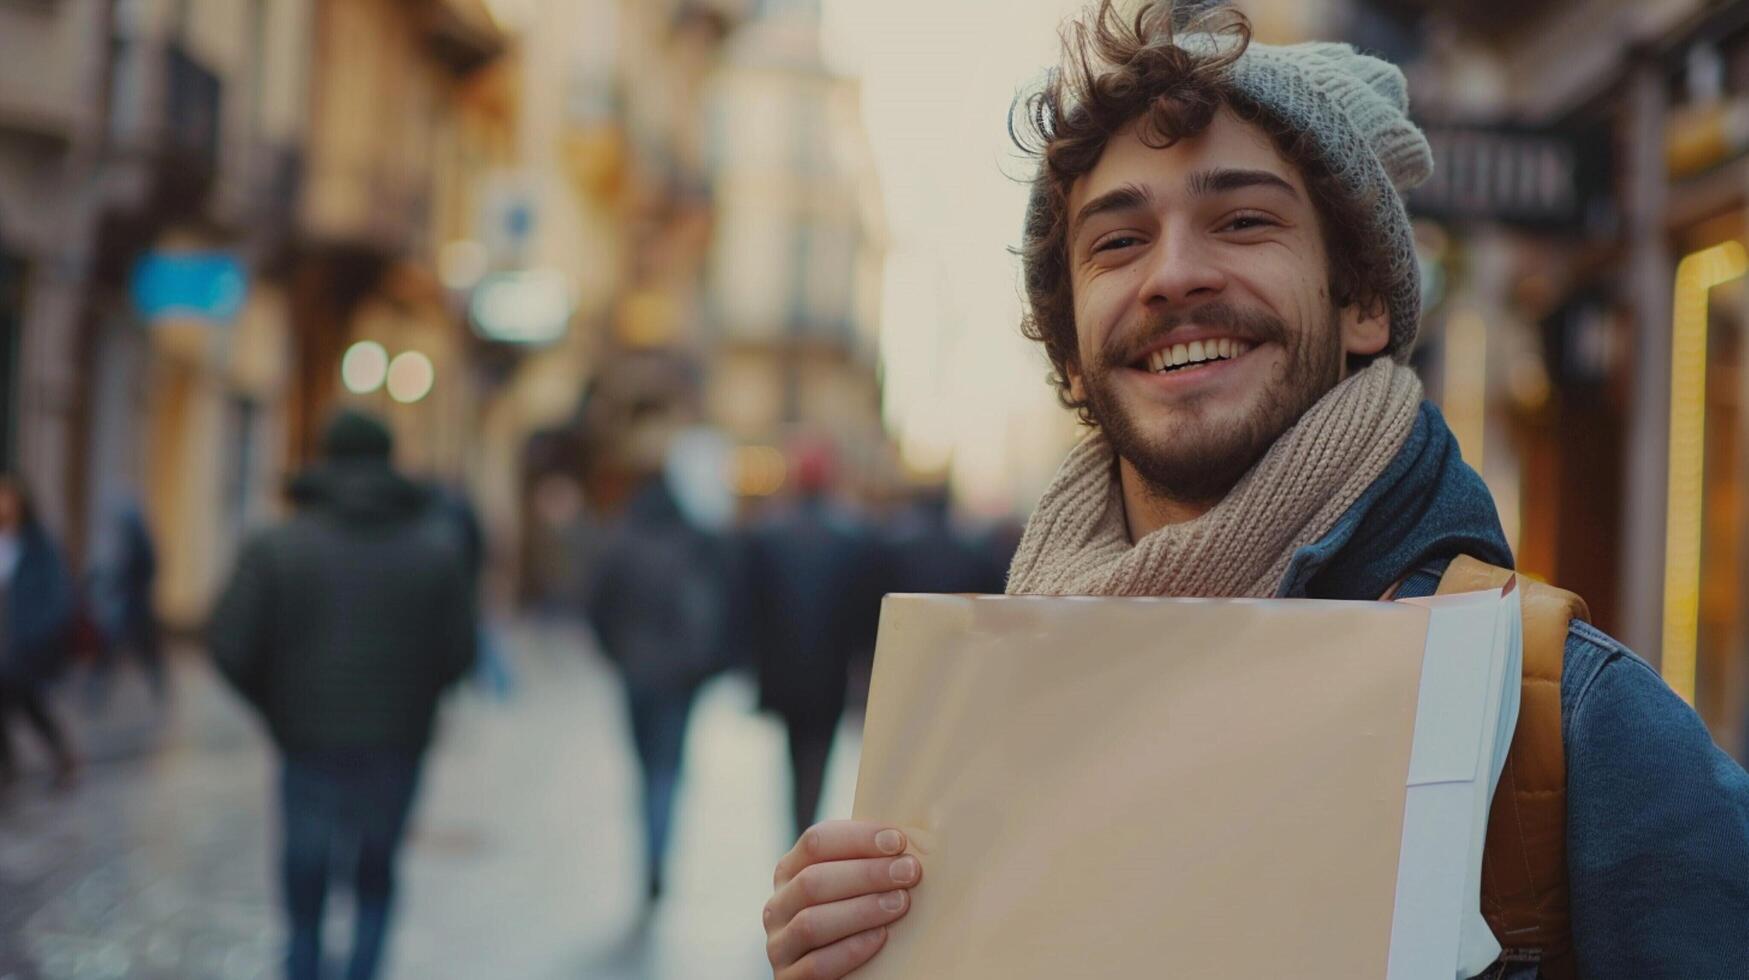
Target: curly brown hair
1114 73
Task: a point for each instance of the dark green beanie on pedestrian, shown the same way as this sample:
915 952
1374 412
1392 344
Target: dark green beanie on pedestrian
353 434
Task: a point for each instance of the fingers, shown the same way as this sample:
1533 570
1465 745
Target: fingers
838 840
819 884
818 933
835 893
837 959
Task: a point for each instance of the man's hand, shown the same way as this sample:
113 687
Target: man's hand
833 896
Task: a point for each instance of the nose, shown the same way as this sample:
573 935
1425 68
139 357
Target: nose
1182 270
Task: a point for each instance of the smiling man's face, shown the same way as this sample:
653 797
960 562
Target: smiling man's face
1204 322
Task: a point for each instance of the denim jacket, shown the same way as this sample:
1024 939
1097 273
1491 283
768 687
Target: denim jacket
1657 815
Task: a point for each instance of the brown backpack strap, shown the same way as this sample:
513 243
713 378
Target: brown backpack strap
1524 863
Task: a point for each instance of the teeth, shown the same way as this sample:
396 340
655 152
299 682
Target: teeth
1195 352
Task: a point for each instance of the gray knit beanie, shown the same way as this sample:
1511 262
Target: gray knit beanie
1354 107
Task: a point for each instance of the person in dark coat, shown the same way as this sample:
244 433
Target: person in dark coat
450 506
342 627
132 622
927 553
658 600
36 611
813 581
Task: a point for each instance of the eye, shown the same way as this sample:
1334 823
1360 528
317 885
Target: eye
1116 242
1249 222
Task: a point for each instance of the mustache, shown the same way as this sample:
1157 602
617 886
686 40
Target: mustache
1127 347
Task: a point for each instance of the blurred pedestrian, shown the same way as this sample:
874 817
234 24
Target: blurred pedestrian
342 626
658 601
36 612
927 552
813 581
1000 542
452 508
122 594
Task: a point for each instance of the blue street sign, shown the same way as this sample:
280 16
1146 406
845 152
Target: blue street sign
203 285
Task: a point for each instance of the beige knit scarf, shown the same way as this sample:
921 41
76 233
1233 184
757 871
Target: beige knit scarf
1077 542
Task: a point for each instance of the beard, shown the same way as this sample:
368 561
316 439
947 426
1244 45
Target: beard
1204 457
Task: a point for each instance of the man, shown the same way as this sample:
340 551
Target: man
658 602
1219 265
342 627
36 612
812 580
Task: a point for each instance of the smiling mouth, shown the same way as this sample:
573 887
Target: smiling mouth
1197 353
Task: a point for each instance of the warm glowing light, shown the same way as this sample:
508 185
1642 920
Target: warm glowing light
1696 275
364 367
410 377
1466 382
760 471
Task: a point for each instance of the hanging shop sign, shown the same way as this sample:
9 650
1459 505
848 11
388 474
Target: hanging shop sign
1546 179
207 286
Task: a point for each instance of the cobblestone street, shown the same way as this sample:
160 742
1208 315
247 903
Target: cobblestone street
523 861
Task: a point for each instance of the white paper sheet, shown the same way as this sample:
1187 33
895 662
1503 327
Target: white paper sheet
1464 718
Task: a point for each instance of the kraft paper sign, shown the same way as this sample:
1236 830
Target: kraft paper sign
1105 787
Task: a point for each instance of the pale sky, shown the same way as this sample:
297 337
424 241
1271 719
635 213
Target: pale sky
963 388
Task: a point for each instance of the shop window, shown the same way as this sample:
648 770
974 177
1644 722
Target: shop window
1722 641
1706 642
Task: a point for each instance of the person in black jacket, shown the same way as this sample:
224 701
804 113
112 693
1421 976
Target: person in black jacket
36 610
927 552
658 601
814 577
342 627
122 589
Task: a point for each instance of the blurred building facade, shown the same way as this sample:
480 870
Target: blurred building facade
201 202
146 366
402 125
612 158
729 256
796 260
52 126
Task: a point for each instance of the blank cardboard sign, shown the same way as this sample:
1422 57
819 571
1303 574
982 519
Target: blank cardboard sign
1102 787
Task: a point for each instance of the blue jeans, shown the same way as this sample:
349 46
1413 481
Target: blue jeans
659 734
357 799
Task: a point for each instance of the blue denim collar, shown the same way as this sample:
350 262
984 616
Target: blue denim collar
1429 506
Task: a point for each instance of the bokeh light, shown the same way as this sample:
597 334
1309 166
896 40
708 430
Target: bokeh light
364 367
411 376
760 471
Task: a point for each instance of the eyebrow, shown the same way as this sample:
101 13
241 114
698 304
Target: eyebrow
1125 198
1222 180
